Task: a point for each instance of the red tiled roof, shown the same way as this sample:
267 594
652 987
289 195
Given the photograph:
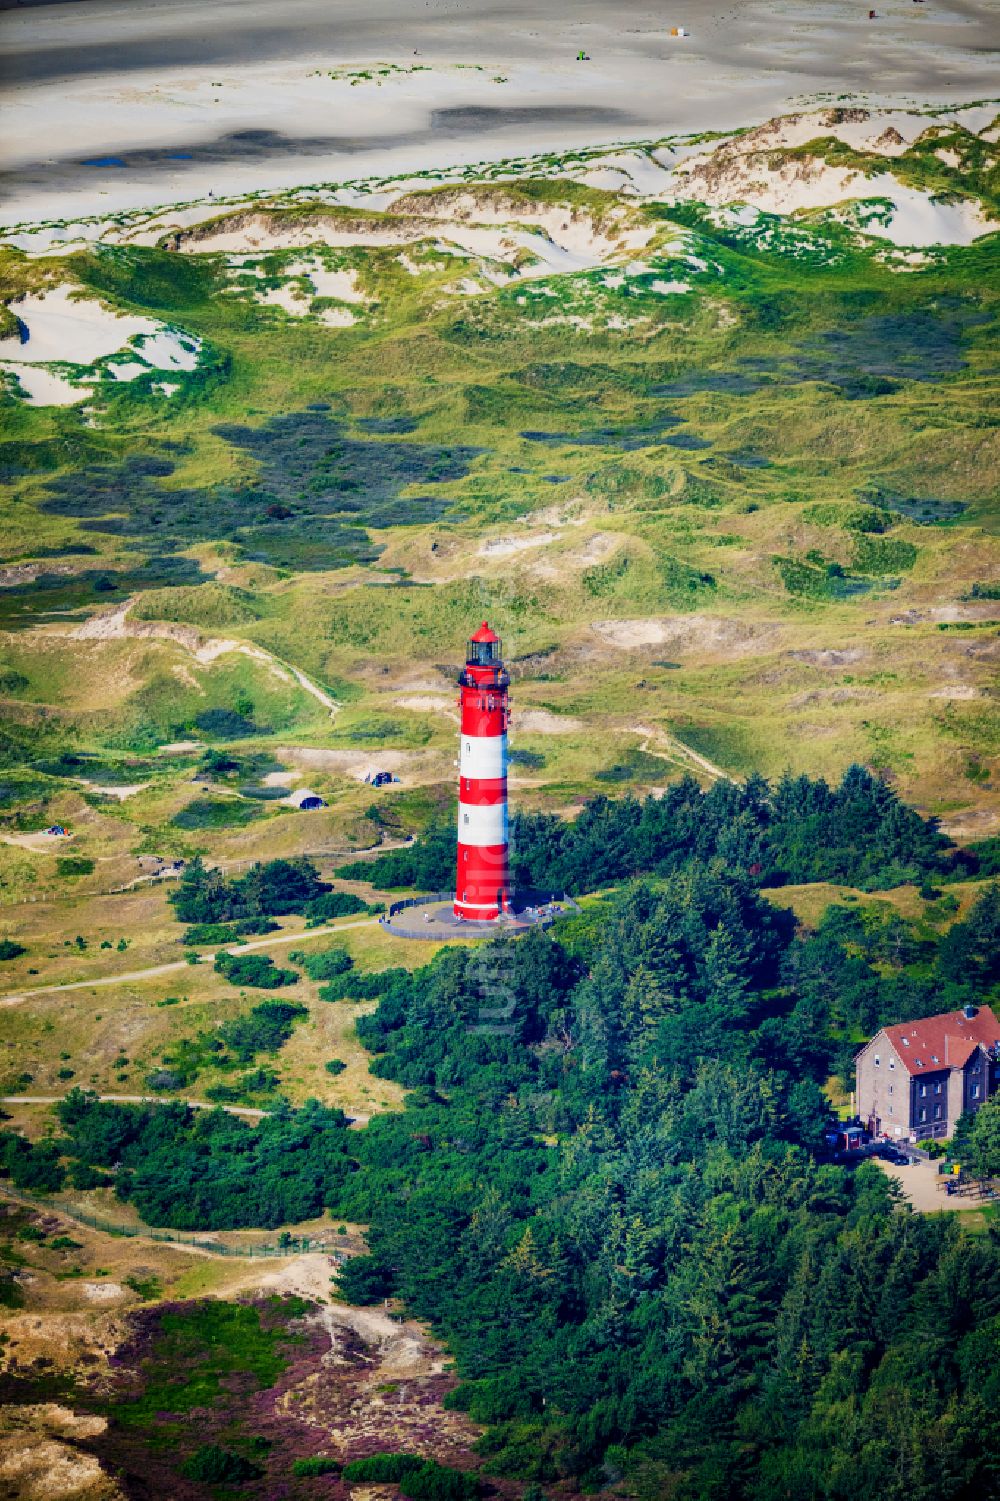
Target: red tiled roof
945 1041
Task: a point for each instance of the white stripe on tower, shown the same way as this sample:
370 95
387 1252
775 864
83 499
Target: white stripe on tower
483 757
482 825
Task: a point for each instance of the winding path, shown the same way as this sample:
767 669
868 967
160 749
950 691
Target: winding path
273 940
134 1099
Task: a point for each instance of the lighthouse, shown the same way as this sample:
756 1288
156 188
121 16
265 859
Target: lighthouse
482 886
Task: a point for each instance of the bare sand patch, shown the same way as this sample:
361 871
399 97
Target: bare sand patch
337 317
503 547
281 778
63 327
543 722
427 703
688 633
839 656
355 763
102 1292
59 327
597 549
305 280
292 300
40 1459
121 792
44 388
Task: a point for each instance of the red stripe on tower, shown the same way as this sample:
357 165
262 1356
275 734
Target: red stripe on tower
482 887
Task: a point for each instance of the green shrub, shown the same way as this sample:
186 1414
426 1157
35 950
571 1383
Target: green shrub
74 865
222 932
316 1464
211 932
260 1081
263 1030
213 1465
382 1469
360 986
325 965
333 904
882 555
335 1066
254 969
83 1177
11 1295
33 1166
437 1482
9 949
267 890
164 1079
365 1280
148 1288
420 1479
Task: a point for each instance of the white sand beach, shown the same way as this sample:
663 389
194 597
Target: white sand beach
111 106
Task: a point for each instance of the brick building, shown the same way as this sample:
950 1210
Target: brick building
914 1080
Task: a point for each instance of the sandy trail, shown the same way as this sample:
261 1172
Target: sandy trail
136 1099
157 970
661 742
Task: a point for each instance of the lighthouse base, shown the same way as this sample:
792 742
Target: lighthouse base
484 911
435 919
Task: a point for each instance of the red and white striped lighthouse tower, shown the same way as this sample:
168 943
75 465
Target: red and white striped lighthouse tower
482 887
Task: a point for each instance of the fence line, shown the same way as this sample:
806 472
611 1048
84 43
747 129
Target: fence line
294 1246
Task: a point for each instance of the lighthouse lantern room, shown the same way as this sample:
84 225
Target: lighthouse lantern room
482 888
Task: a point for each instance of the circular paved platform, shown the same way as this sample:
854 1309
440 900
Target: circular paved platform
433 918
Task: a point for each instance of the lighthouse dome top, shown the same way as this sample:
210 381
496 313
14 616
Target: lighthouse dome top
484 648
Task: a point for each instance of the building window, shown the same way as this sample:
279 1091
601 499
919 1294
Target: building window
937 1087
975 1091
890 1089
465 818
892 1063
923 1091
877 1060
923 1115
937 1112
